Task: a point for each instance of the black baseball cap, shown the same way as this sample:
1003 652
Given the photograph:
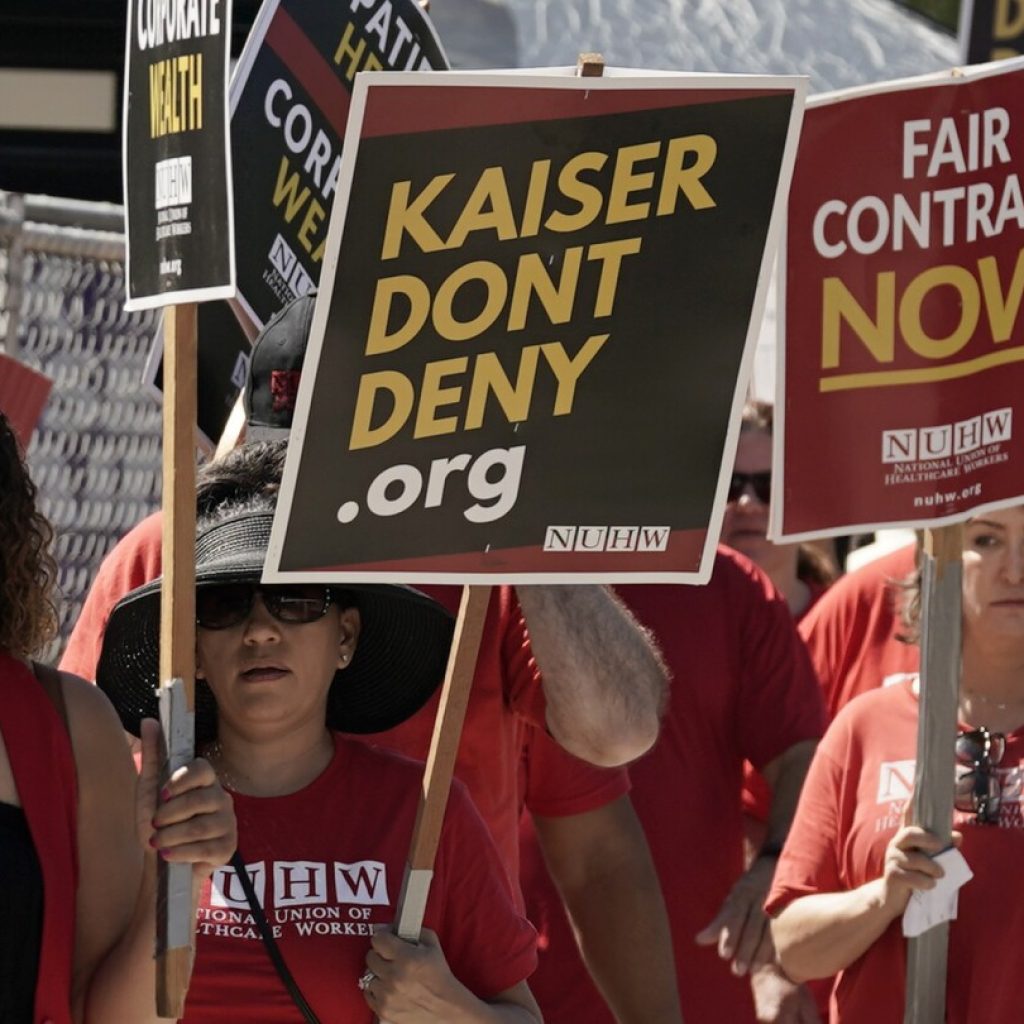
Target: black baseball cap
275 365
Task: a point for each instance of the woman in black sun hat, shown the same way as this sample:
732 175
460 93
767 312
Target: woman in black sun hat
296 927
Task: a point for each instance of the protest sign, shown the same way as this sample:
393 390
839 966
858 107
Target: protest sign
223 362
289 102
902 379
177 169
991 29
23 395
530 345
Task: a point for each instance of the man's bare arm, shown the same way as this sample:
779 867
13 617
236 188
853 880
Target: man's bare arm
604 681
602 866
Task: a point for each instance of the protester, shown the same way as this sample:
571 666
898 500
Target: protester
324 822
79 836
853 632
600 700
742 688
850 864
800 572
590 657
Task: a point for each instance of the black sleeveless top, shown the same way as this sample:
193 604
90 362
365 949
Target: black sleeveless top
21 911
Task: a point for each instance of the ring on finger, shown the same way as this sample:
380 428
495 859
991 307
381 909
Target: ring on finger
366 979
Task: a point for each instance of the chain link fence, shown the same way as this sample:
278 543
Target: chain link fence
95 454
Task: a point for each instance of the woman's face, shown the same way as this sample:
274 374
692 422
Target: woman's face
993 574
745 524
268 674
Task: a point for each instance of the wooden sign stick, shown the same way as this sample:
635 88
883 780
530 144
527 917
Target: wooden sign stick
177 639
444 746
235 426
939 698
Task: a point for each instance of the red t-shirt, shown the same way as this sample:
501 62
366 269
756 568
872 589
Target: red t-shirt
328 862
743 687
506 690
851 632
505 700
756 797
134 560
851 806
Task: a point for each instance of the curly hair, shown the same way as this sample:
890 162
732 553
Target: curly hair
28 572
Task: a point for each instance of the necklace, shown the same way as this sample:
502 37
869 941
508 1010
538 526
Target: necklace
215 755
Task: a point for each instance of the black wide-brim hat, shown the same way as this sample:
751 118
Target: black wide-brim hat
399 661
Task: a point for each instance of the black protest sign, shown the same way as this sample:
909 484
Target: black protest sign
222 366
528 361
289 99
177 171
991 30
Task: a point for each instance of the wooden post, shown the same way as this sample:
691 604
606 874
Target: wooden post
177 639
235 426
444 747
939 697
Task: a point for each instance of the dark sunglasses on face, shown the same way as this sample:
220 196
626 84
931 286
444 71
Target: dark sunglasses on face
226 605
759 483
980 790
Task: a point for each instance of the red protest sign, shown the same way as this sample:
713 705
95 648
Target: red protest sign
902 383
23 394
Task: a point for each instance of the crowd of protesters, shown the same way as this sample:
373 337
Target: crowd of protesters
646 828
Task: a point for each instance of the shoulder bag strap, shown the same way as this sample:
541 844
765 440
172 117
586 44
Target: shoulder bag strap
268 940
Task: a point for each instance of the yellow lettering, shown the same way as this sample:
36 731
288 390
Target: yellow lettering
1002 311
494 280
532 278
910 311
878 336
1008 19
679 178
378 340
401 390
433 396
568 371
488 207
287 191
489 376
587 196
540 170
346 49
314 217
625 182
408 217
610 254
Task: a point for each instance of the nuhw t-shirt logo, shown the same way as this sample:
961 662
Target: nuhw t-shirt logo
306 897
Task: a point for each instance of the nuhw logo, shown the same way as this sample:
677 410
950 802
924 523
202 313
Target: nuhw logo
895 781
606 538
304 882
940 442
286 263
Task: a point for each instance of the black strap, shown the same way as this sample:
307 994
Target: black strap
268 940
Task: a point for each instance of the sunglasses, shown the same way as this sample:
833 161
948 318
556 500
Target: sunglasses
759 483
979 790
225 605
